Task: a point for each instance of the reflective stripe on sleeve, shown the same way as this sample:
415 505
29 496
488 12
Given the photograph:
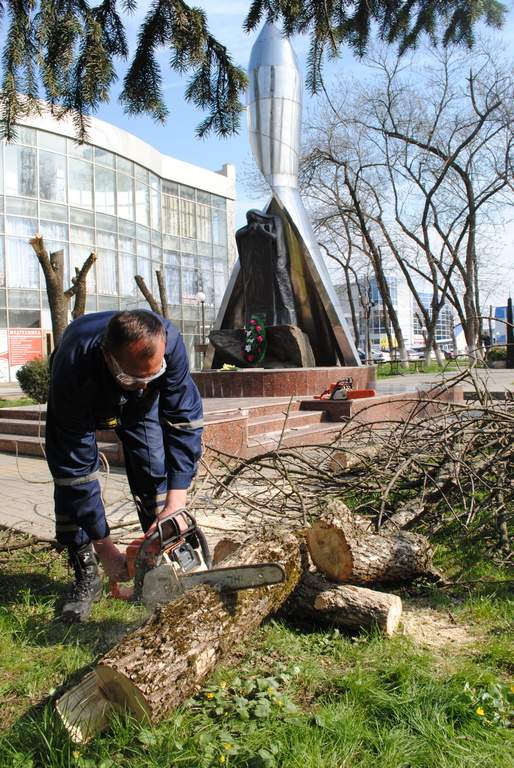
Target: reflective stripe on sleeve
67 481
185 425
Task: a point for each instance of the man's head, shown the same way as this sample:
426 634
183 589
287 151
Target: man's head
133 347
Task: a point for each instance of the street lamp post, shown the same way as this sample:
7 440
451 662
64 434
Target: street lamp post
200 296
202 347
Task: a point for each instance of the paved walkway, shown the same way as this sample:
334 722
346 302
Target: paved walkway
27 489
27 503
497 380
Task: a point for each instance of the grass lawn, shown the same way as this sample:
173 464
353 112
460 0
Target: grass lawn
14 401
437 696
384 370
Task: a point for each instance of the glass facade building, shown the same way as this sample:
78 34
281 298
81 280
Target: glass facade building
406 308
137 209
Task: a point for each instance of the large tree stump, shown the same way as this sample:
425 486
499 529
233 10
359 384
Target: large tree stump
163 662
345 551
319 601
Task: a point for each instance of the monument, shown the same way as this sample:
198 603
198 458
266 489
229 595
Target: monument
280 284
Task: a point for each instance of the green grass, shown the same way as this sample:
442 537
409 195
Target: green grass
15 401
384 370
294 699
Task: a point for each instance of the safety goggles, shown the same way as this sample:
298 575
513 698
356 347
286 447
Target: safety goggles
129 381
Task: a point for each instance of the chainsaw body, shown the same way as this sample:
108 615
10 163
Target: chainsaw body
175 558
177 542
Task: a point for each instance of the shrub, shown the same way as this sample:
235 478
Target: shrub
34 379
496 353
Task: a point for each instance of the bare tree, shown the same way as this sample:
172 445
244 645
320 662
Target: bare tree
332 177
161 307
428 162
58 298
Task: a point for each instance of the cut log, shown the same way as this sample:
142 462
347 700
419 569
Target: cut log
163 662
342 461
319 601
223 549
344 552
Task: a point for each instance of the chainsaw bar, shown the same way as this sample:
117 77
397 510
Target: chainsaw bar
164 584
236 577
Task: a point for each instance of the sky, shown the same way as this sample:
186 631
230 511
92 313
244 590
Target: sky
177 137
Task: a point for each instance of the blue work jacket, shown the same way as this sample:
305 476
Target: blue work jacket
84 397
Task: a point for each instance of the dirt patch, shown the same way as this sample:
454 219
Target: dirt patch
436 628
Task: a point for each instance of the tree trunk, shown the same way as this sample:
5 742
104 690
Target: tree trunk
351 304
163 662
345 552
154 305
163 294
319 601
53 270
79 287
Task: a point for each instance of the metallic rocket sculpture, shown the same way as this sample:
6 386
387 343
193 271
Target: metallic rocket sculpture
274 122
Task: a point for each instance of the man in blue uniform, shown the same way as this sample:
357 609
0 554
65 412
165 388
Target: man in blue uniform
127 371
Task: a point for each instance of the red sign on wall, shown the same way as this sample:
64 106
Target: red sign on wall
24 344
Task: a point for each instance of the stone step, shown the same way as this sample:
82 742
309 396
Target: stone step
312 434
32 428
275 422
27 445
25 412
291 405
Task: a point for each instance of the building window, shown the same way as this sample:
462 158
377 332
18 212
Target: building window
52 177
104 157
128 285
16 225
144 268
187 219
106 277
20 171
80 183
142 204
105 194
155 203
83 151
54 230
24 318
172 277
125 166
125 196
22 266
78 255
203 223
170 219
219 227
52 141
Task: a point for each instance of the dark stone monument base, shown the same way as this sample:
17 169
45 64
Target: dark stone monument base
288 347
285 382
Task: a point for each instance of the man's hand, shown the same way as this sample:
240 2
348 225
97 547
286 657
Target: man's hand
113 561
175 500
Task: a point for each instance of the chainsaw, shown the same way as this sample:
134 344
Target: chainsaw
176 558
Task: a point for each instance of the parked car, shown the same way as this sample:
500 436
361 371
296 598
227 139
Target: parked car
380 354
377 356
418 353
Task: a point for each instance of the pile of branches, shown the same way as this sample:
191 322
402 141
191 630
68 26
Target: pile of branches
439 470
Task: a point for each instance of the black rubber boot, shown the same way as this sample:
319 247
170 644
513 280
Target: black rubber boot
87 588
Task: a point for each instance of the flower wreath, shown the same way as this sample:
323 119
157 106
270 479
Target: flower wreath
255 340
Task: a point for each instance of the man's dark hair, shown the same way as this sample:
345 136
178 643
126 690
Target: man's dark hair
125 328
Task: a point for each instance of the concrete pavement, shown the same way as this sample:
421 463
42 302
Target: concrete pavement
27 490
26 504
496 380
